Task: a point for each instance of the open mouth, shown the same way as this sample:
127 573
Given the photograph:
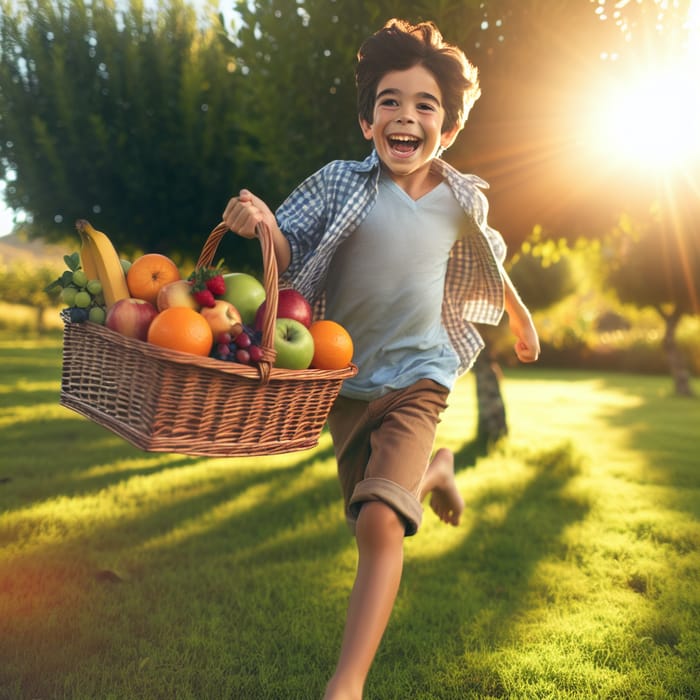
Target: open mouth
403 144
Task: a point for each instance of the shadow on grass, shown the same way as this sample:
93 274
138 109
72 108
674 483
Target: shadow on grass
488 579
46 458
73 456
227 534
470 452
29 398
665 428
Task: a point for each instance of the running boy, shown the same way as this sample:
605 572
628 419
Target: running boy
397 249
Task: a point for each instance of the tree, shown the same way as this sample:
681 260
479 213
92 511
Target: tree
542 270
25 284
125 117
655 262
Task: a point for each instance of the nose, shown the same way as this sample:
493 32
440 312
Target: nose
405 117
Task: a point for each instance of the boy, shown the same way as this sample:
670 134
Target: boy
395 248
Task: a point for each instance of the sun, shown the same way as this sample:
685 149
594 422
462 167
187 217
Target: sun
649 116
653 121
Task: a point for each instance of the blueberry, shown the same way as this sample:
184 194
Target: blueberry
77 315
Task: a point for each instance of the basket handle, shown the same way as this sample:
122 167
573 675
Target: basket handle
270 283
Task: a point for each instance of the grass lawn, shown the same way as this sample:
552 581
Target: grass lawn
574 574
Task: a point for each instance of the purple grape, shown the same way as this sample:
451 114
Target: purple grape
243 340
223 351
243 356
256 353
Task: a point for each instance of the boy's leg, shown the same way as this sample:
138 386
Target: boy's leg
439 481
380 533
371 440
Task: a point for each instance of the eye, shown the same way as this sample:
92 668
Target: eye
389 102
427 107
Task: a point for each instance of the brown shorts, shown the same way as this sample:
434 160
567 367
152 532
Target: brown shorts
383 448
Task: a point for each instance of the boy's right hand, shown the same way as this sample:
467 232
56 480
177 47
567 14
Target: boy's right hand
245 212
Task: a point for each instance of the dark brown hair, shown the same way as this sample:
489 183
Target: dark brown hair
399 45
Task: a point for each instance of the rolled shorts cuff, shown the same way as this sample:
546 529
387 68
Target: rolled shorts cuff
405 503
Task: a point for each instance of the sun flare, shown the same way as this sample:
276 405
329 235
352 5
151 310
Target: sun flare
649 118
653 122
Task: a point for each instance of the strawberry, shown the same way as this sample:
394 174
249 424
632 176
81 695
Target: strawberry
216 285
207 283
204 297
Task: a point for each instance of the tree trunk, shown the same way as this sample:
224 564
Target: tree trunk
40 320
492 423
676 361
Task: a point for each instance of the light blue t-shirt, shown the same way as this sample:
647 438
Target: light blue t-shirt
385 285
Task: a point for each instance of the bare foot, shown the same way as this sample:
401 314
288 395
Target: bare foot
445 498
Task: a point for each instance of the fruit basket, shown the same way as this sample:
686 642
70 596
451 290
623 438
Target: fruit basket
162 400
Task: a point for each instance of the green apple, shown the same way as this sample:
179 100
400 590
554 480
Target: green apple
245 292
294 344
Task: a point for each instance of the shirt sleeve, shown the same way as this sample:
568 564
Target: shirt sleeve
302 219
494 238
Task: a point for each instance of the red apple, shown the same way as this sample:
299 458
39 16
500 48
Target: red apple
223 317
290 304
131 317
177 293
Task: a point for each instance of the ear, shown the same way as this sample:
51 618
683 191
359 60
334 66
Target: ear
366 128
448 137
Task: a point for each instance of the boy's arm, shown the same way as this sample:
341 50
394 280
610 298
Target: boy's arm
245 212
527 347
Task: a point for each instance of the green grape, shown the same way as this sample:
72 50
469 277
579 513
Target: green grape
80 279
94 287
68 295
97 315
82 299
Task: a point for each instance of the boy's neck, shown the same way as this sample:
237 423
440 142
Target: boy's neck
417 184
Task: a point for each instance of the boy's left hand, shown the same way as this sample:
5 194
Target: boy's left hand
527 347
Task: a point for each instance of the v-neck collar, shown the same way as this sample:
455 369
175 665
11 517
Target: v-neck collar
415 203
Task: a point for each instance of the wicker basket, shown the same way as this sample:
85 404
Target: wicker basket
166 401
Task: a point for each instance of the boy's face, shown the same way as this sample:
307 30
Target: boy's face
407 122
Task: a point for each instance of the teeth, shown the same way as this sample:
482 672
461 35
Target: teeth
407 139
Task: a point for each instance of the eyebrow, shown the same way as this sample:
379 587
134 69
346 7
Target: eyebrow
395 91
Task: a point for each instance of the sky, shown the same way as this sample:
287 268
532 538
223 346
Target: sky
5 216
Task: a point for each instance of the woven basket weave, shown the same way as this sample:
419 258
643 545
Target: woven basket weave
166 401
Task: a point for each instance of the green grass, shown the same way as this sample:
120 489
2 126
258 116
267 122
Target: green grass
575 572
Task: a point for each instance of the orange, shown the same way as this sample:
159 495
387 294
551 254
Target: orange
332 345
183 329
148 274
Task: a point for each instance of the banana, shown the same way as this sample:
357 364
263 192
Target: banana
107 263
87 259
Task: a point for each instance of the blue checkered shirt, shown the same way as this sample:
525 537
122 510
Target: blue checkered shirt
329 205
